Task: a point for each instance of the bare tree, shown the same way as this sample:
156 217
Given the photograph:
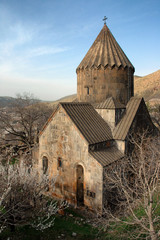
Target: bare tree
134 183
23 120
24 198
155 114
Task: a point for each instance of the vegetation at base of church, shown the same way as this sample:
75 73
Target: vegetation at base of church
122 229
135 184
22 199
85 228
71 225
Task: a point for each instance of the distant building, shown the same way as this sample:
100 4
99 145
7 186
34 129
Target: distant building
81 139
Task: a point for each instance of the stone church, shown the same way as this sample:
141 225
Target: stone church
82 138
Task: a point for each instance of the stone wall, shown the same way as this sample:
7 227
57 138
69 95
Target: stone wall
96 84
62 140
108 115
121 145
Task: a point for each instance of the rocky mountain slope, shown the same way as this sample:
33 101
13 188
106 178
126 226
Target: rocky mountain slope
6 101
148 87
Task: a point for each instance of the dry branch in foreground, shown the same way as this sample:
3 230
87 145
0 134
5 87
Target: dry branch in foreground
134 184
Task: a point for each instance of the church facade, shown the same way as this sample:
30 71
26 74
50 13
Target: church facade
82 138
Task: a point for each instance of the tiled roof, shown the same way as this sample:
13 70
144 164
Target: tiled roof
107 156
109 103
121 130
88 121
105 51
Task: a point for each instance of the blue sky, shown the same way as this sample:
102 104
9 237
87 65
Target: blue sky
43 41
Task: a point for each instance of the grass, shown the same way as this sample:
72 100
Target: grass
74 221
122 230
64 227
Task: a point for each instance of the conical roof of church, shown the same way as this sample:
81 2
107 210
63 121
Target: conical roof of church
105 51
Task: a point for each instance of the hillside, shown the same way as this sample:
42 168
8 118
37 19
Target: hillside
136 77
70 98
6 101
148 87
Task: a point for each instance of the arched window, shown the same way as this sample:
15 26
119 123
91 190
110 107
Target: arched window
59 162
87 90
45 164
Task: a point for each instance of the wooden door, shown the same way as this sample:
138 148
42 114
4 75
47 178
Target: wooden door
80 185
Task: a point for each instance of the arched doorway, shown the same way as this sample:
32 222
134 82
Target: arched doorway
80 185
45 164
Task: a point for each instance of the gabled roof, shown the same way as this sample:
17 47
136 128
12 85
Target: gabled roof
121 130
107 156
105 51
109 103
88 121
49 120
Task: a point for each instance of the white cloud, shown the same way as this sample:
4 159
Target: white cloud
45 50
21 46
16 46
22 32
18 35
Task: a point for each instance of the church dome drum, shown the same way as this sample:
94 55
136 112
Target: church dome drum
105 71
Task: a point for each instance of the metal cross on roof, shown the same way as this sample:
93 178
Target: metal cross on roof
104 19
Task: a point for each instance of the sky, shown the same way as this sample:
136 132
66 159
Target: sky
43 41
